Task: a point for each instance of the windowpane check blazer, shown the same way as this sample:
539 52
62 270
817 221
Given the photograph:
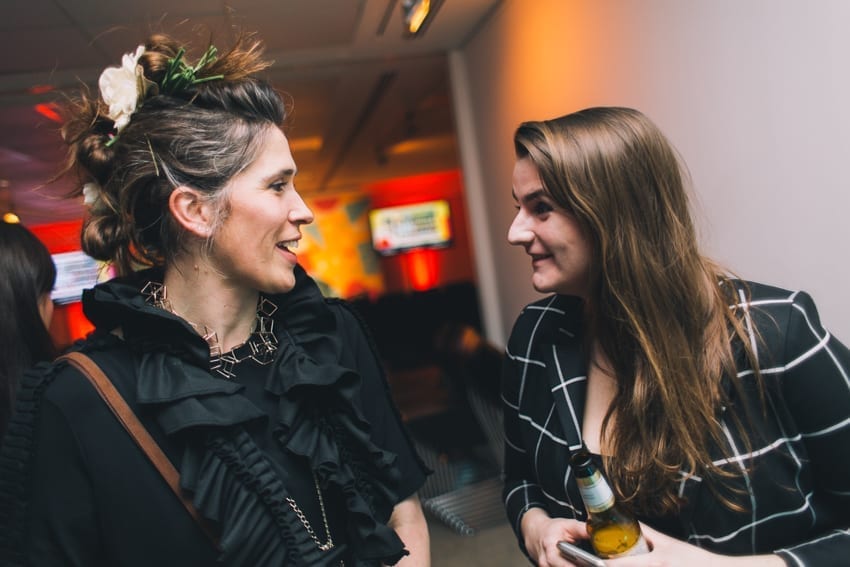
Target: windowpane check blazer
794 481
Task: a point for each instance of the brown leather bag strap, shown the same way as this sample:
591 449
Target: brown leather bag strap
137 431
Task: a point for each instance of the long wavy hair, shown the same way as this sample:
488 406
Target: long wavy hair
200 137
28 273
658 309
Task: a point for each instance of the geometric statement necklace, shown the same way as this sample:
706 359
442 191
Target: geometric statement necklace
259 347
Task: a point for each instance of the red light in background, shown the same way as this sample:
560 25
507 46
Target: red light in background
49 110
78 324
423 269
40 89
59 236
416 188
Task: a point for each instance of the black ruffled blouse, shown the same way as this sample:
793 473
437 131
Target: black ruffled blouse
242 446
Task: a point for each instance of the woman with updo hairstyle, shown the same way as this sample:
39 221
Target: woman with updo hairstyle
279 441
28 277
718 409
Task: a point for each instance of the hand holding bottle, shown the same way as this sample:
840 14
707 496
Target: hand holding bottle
670 551
541 535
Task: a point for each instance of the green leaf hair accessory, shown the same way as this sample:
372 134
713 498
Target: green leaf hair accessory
180 77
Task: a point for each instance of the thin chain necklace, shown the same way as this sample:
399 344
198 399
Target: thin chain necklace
306 523
260 345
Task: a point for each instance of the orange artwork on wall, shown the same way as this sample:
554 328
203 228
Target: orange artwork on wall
336 249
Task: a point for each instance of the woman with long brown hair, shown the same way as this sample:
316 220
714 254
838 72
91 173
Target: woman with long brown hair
28 277
719 409
278 441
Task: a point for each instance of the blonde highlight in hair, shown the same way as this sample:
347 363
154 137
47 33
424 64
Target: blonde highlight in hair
658 310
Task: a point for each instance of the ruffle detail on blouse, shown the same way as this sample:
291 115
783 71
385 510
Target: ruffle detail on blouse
318 419
118 303
187 396
230 479
234 486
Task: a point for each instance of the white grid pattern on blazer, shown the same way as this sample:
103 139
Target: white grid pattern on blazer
796 486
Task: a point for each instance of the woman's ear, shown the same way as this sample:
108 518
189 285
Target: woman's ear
191 211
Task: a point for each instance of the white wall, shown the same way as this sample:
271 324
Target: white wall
755 94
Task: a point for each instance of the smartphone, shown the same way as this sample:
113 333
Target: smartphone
579 556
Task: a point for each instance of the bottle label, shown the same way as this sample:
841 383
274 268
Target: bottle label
596 493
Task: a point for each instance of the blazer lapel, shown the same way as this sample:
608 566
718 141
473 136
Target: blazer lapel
565 369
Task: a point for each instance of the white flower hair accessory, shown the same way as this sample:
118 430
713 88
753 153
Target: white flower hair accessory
122 87
91 194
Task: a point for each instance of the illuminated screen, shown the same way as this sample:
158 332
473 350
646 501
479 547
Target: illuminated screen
74 272
423 225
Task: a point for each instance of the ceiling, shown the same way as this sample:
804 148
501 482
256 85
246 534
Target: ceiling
369 104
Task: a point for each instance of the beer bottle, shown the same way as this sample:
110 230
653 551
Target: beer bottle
613 531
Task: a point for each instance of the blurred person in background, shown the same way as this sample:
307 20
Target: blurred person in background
27 277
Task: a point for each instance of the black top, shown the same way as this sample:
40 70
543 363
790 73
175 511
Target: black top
794 492
75 490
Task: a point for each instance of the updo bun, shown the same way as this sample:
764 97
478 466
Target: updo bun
198 131
95 156
103 237
85 130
